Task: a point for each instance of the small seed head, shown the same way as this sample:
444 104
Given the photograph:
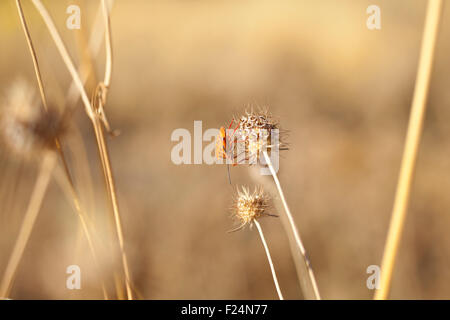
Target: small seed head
249 206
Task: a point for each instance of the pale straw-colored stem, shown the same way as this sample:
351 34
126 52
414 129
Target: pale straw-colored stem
103 148
411 147
80 213
33 53
104 154
94 45
304 268
97 121
39 187
47 164
108 44
269 258
65 56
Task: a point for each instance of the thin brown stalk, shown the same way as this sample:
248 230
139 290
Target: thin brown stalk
103 148
39 188
33 53
304 269
65 56
97 119
94 45
415 126
269 258
83 220
80 213
104 155
85 71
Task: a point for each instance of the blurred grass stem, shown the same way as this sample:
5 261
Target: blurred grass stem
299 248
95 115
411 147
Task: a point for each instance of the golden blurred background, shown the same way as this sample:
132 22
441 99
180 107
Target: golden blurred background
342 91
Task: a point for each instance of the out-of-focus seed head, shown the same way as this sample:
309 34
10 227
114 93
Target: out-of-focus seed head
26 128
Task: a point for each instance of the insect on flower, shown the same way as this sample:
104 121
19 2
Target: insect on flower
224 146
254 134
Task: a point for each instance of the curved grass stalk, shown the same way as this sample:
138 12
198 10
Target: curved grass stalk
83 220
304 269
108 44
33 54
23 237
97 121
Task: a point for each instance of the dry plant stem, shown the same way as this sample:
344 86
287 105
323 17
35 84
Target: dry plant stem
104 155
269 258
80 213
103 149
97 124
65 56
83 220
298 242
411 146
108 45
84 71
33 53
39 190
94 46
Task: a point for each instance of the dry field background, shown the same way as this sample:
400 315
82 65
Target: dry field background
342 91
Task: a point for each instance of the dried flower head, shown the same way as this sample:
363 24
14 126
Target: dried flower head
256 132
249 206
25 126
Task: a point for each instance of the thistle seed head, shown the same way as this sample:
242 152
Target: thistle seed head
257 121
249 206
258 132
